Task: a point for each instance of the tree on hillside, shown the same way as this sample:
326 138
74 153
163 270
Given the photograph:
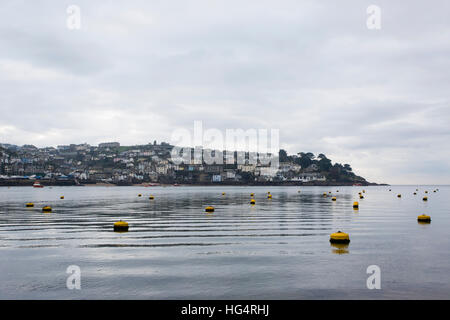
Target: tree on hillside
305 159
283 157
324 163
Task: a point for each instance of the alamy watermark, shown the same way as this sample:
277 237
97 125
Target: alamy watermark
74 279
373 21
73 21
374 280
233 146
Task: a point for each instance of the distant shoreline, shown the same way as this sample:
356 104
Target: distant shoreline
29 183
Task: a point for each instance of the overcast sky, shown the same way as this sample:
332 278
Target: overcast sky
138 70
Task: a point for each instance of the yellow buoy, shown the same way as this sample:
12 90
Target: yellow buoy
364 191
325 194
47 209
29 205
252 194
223 193
424 218
333 199
399 195
252 201
425 198
120 226
361 196
269 196
62 197
355 205
139 195
339 237
209 209
151 197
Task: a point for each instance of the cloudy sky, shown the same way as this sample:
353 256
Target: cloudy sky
138 70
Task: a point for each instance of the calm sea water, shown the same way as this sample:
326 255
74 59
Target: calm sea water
277 249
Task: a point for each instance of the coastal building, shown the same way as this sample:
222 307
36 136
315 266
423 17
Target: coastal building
308 177
109 145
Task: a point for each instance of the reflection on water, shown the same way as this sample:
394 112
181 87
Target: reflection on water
339 248
277 248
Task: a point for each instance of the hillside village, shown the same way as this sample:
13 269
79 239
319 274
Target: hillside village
78 164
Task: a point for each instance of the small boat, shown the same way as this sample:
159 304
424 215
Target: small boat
152 185
37 184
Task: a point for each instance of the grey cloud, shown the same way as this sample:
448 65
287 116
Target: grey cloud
138 71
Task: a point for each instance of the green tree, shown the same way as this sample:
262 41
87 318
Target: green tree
283 155
306 159
347 167
324 163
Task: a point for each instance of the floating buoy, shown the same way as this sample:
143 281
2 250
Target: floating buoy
29 205
151 197
269 196
62 197
333 199
355 205
325 194
434 191
425 199
120 226
415 193
426 191
399 195
424 218
252 201
47 209
268 192
209 209
361 196
223 193
139 195
252 194
337 190
298 191
417 189
390 190
364 191
339 237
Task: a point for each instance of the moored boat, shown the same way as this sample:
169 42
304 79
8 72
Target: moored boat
37 184
152 185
